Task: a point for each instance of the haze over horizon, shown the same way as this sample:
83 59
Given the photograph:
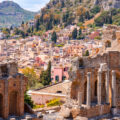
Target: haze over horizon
31 5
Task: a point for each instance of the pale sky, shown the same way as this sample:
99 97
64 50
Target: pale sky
32 5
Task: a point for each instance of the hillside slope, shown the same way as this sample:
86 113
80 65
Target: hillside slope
11 14
91 21
69 12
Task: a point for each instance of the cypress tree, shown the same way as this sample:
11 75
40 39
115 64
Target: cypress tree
54 37
74 33
45 76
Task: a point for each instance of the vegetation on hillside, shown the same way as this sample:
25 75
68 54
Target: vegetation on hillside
11 14
61 14
108 17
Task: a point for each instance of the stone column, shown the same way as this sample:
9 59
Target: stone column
113 89
6 107
88 90
21 95
107 87
79 99
99 87
9 69
0 73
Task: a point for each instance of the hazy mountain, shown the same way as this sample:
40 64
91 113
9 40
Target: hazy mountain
11 14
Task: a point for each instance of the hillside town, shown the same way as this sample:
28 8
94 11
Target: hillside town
36 52
61 63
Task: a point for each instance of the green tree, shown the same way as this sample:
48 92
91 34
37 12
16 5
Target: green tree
45 76
11 28
104 18
87 15
49 71
74 33
65 17
62 4
95 9
28 100
49 25
86 53
6 31
33 79
37 24
54 37
80 32
81 18
80 36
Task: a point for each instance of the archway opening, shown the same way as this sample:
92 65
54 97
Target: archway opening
85 92
108 44
1 105
95 92
103 88
94 100
13 103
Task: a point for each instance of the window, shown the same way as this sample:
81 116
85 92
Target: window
4 71
108 44
59 92
63 77
57 78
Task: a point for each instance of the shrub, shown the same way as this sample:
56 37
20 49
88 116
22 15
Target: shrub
95 10
54 102
28 100
60 45
38 106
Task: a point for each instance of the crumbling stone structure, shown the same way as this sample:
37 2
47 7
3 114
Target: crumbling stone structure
96 85
12 88
111 33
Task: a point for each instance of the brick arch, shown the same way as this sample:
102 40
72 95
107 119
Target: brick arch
1 105
13 103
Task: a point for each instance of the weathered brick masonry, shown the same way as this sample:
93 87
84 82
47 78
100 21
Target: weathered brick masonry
12 88
97 82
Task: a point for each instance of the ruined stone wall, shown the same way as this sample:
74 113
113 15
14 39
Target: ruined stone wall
12 88
92 65
92 112
63 87
40 98
110 35
111 58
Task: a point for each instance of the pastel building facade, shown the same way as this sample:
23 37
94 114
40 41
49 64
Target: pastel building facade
59 74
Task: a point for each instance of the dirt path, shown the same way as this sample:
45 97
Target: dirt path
91 21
